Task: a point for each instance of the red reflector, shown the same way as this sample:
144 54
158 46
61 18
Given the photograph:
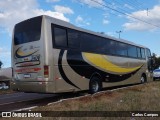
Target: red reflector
46 71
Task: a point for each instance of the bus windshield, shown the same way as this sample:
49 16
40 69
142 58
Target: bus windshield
28 31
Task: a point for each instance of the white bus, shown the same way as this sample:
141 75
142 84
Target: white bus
53 56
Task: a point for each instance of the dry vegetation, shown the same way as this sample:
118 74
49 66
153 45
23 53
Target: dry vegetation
144 97
3 91
8 91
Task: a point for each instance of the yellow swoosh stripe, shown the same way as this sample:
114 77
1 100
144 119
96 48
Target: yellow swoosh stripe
23 54
100 61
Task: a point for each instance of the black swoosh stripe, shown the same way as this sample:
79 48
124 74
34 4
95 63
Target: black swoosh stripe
81 67
62 71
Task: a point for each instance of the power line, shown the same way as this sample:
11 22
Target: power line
123 3
130 7
118 11
116 6
141 4
126 14
132 3
98 8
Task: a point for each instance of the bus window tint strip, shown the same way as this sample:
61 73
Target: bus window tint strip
86 42
73 38
91 43
111 47
60 36
132 51
139 52
121 49
148 53
143 53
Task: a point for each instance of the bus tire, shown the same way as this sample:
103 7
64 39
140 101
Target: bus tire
154 79
143 79
95 85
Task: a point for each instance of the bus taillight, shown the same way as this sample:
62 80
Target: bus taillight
46 71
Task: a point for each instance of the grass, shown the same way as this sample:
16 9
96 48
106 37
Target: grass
5 91
144 97
8 91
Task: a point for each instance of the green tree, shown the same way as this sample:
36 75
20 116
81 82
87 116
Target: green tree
157 62
1 64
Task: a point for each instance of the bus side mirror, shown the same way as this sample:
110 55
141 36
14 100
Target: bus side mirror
153 61
153 55
153 58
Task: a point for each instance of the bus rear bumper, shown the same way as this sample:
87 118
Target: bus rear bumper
34 87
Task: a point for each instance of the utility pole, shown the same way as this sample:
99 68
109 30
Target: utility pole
119 33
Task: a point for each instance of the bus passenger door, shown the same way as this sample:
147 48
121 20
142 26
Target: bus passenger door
150 64
150 61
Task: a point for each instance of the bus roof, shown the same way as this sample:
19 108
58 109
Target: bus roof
69 25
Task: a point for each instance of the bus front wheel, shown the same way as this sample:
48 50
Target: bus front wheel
95 85
143 79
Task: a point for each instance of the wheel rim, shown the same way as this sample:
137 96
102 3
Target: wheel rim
95 86
142 79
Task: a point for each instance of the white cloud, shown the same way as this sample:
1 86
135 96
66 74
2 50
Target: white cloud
5 56
50 1
111 34
62 9
88 23
153 18
14 11
128 6
93 3
105 19
81 22
52 14
4 51
105 22
79 19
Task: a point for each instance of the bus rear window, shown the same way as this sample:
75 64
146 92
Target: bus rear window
28 31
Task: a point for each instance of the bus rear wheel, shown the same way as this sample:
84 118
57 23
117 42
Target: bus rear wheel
95 85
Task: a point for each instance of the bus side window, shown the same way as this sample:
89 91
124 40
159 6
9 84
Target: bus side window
73 38
122 49
143 53
148 53
60 36
132 51
139 52
111 47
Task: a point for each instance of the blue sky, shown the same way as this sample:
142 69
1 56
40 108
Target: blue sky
87 14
